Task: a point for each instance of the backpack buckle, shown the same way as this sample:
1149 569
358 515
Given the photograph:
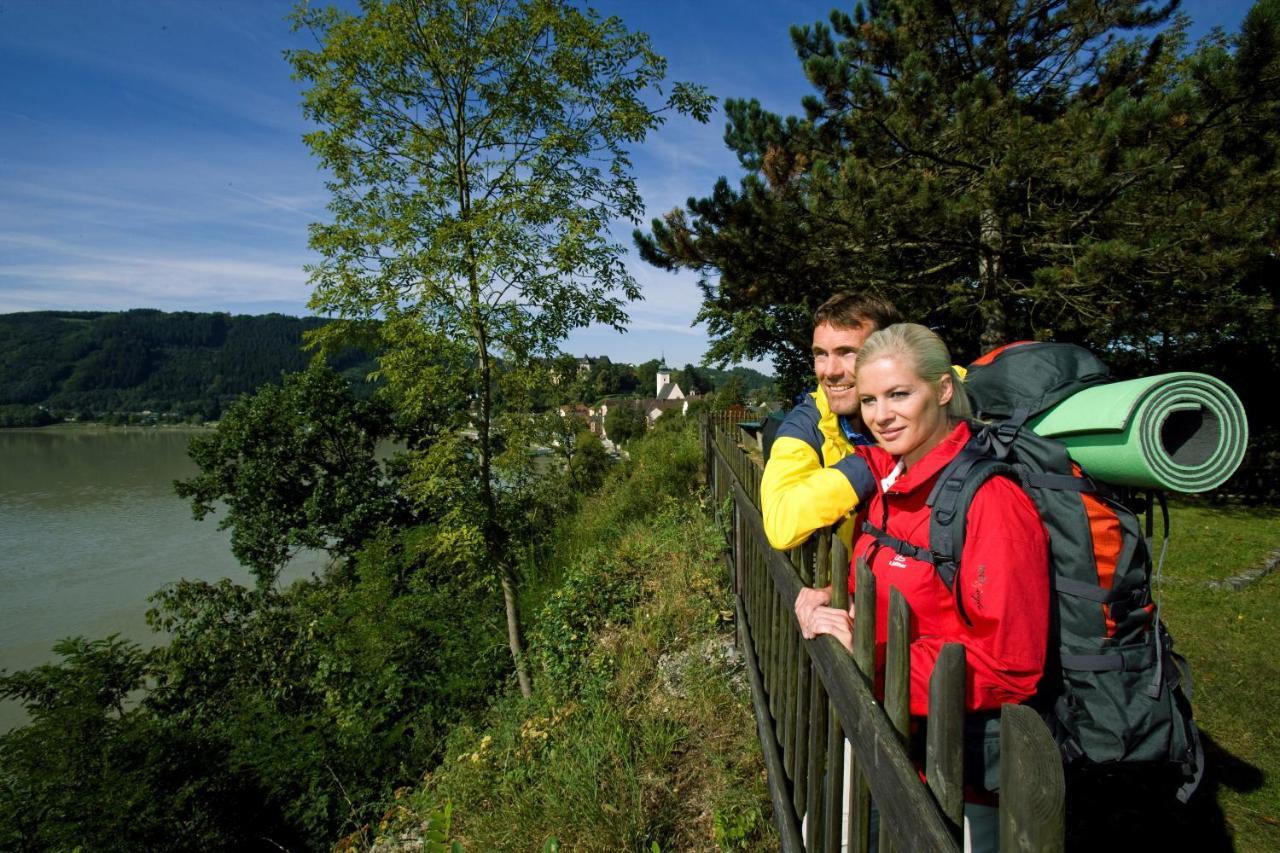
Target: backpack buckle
1007 431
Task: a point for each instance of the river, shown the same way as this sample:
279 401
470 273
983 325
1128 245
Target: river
89 527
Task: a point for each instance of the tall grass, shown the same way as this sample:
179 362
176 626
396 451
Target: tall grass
640 736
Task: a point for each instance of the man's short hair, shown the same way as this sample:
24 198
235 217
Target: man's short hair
851 310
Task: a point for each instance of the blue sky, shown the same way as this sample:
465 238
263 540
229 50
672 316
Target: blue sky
151 152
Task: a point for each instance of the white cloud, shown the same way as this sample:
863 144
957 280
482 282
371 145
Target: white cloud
82 277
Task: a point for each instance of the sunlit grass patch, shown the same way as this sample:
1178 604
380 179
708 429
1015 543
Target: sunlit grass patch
640 733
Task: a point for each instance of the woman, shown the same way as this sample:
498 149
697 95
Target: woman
915 408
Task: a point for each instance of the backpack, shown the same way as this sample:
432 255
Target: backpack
769 430
1114 692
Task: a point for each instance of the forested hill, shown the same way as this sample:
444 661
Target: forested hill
95 363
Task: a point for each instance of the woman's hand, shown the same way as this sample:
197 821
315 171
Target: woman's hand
807 601
816 617
834 621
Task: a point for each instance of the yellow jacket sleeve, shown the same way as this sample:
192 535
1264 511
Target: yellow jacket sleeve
798 495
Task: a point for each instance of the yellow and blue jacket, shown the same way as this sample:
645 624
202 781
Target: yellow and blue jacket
807 485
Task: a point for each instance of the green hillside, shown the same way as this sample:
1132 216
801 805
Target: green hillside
79 363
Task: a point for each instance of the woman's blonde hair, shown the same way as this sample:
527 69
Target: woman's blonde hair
921 348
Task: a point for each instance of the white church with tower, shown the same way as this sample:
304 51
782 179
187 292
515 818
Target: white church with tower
667 390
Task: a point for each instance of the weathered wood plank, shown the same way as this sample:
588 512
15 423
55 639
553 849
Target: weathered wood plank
897 687
864 655
1032 789
789 826
944 742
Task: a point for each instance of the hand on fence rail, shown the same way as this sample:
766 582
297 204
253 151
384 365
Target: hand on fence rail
807 601
816 617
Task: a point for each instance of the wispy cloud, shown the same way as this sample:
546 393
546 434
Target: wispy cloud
293 204
66 275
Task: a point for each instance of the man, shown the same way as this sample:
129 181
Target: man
813 479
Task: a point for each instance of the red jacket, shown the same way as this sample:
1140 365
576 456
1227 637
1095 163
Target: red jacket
1003 577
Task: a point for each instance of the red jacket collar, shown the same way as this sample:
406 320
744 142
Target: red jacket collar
933 462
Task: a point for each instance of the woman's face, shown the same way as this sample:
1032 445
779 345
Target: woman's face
906 415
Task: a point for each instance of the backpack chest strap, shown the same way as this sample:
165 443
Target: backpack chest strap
900 546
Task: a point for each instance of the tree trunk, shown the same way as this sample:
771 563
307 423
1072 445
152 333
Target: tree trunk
495 540
494 534
515 637
995 322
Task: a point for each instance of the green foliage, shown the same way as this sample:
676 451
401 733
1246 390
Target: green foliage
575 447
295 468
602 587
479 157
636 739
25 416
90 771
589 463
625 421
181 363
435 834
736 828
603 379
1004 171
729 395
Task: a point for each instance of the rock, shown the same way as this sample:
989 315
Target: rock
719 654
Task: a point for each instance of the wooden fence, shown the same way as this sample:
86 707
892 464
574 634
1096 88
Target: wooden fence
810 696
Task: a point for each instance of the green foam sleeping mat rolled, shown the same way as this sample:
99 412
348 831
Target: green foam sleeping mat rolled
1183 432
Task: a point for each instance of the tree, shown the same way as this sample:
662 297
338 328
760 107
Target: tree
579 450
1002 171
647 376
295 466
694 381
478 153
90 772
625 421
729 394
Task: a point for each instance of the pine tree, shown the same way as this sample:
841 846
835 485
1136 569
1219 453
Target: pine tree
1071 171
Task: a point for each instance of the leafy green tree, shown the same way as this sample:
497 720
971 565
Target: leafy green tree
1002 171
478 153
647 376
589 463
295 467
312 704
91 770
625 421
729 394
580 452
694 381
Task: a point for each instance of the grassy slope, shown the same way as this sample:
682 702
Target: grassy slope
638 735
607 758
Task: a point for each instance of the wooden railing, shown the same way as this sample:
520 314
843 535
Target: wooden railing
811 697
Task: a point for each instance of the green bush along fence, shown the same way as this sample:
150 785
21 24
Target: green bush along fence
811 697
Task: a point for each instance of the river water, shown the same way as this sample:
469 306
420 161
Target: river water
89 527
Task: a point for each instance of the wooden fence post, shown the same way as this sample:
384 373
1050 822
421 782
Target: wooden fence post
944 747
897 683
1032 787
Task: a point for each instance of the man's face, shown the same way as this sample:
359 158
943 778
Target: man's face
835 352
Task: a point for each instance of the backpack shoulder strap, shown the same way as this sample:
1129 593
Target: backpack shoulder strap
949 505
